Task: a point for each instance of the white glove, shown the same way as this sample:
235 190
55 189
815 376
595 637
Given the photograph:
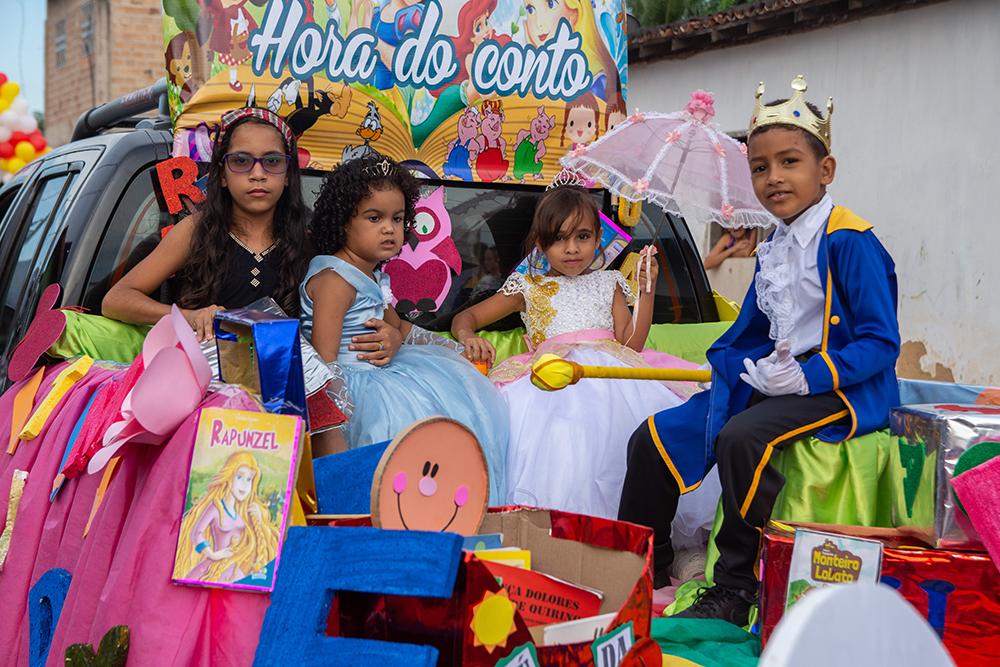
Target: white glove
778 374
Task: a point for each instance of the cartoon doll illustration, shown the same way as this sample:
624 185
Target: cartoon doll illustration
228 534
463 150
227 26
614 114
392 21
179 57
581 121
491 161
531 146
542 21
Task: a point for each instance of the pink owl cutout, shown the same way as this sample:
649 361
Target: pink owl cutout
421 275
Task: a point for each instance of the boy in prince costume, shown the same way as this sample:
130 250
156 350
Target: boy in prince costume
812 352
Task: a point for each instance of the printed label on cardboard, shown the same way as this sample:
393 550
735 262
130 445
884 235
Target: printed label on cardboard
825 559
610 650
523 656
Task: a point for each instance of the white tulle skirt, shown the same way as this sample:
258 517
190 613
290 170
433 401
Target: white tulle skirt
568 448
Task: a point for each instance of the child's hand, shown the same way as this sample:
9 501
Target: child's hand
478 349
647 279
202 321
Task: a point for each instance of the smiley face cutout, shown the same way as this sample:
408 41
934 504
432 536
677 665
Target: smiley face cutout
432 477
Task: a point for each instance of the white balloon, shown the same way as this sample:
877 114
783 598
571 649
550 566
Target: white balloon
9 119
20 105
4 133
27 124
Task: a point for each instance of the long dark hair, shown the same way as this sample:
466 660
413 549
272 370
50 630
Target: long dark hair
201 279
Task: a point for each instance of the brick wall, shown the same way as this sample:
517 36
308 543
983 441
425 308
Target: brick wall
126 54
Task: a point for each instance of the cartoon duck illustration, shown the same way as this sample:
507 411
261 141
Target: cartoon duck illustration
370 131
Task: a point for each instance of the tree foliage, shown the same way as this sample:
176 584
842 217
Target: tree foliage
658 12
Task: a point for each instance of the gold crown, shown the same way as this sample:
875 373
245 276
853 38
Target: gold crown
793 112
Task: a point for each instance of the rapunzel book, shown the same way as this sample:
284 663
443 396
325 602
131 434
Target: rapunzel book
238 498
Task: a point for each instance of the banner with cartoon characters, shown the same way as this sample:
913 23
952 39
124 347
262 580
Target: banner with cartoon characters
473 90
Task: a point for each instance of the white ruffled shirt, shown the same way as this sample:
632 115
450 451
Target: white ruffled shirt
789 290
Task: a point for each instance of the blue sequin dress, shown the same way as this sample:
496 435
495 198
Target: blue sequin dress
420 381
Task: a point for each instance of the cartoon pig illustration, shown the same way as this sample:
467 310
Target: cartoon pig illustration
531 146
491 162
462 151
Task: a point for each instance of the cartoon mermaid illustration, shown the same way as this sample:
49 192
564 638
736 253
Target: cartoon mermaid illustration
228 534
542 21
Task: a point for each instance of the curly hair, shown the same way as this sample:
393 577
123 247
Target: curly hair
202 277
344 188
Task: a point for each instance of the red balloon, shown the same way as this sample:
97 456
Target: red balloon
17 137
6 149
37 141
3 78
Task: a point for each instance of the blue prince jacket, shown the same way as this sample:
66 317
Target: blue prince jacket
856 360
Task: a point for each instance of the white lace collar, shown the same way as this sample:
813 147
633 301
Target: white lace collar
809 223
774 279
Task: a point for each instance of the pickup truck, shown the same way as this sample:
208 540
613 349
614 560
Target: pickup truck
87 212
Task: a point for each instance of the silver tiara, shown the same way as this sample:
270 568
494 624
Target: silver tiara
380 168
567 177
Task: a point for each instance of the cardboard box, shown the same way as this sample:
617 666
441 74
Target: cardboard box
958 592
933 439
613 557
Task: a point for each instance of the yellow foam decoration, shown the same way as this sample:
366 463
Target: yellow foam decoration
14 500
63 382
551 372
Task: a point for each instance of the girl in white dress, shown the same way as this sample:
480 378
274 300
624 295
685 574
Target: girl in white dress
568 448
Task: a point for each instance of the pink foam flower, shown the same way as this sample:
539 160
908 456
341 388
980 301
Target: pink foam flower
638 117
728 211
673 137
701 106
719 149
578 151
743 149
641 186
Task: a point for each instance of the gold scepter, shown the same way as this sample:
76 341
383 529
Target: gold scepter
552 373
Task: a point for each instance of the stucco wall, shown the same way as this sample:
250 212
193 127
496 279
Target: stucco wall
916 130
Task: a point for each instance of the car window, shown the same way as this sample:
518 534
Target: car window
132 233
34 245
677 298
6 199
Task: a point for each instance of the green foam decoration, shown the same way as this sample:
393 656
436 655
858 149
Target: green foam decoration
974 456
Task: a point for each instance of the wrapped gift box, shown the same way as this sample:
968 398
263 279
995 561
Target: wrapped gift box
261 352
934 441
958 592
613 557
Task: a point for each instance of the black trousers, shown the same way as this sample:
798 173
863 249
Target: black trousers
750 484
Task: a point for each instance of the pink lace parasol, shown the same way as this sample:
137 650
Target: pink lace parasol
681 161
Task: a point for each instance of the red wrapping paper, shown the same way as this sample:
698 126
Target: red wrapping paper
958 592
446 624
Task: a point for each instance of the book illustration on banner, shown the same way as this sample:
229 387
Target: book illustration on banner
826 559
580 630
238 496
433 476
613 241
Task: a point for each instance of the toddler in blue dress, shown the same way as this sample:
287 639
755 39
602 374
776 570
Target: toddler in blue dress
361 216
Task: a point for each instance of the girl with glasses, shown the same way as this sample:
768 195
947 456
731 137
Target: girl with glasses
247 241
